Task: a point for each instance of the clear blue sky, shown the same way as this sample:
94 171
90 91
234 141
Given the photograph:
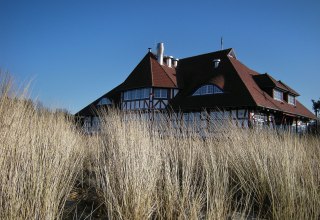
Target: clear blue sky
75 51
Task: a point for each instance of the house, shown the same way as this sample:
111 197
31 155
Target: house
211 86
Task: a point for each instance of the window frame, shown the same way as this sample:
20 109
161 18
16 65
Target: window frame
104 101
291 98
160 93
277 92
136 94
208 89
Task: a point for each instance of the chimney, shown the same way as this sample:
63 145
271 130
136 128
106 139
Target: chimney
175 62
216 63
169 61
160 50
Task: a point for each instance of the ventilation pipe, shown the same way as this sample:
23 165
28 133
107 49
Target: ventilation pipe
216 63
160 51
169 61
175 62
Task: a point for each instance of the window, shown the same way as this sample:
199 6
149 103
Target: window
291 100
146 93
160 93
175 91
277 95
217 90
104 101
207 90
136 94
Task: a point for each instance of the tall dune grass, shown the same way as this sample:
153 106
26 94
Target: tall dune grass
141 169
40 156
235 173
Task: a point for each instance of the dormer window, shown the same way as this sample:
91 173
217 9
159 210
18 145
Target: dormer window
291 100
207 90
278 95
104 101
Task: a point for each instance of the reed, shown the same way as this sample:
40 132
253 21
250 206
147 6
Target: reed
142 169
147 171
41 155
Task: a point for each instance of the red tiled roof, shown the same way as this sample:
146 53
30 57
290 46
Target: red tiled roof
238 82
242 86
288 88
267 81
196 71
162 76
149 73
263 99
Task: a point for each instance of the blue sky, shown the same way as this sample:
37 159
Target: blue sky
75 51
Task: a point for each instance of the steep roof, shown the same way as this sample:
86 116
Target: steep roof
263 99
196 71
267 81
91 109
242 86
148 73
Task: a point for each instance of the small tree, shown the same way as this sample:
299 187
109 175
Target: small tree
316 106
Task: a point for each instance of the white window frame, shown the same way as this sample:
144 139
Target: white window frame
160 93
291 100
276 95
104 101
136 94
209 89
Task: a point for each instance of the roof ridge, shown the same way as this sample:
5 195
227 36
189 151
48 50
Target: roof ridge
218 51
152 83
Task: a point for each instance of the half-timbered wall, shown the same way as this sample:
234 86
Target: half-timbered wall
205 120
147 98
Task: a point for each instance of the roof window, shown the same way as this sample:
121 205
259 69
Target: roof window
104 101
207 90
291 100
278 95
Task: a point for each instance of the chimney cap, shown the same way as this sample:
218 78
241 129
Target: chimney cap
216 63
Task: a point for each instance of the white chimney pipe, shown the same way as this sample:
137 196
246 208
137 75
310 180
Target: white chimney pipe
169 61
175 62
216 63
160 51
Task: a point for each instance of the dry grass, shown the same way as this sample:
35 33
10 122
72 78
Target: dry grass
237 173
41 154
137 171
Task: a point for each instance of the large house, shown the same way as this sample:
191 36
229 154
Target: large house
210 86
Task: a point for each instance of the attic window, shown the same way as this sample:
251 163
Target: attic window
277 95
207 90
291 100
104 101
